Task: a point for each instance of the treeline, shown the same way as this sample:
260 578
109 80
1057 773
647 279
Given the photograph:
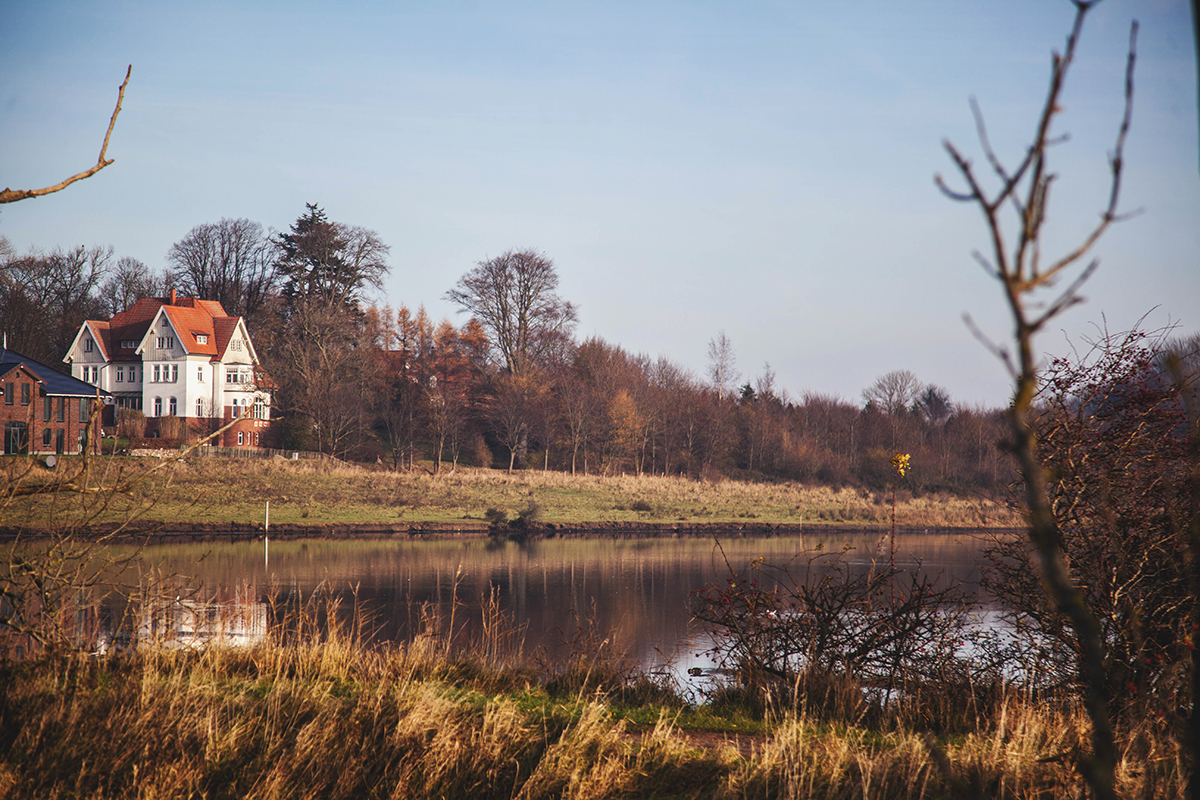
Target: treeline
510 387
434 393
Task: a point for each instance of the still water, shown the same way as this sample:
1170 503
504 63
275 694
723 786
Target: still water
633 592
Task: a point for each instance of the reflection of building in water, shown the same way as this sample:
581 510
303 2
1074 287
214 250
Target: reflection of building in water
188 623
96 618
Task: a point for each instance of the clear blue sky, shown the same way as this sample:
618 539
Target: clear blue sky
759 168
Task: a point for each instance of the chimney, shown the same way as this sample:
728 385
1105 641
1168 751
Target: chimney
172 297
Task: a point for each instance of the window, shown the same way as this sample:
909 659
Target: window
121 374
8 394
236 344
199 407
46 434
129 344
88 346
95 374
162 342
260 410
174 408
201 338
61 416
256 438
241 438
47 409
170 342
174 373
25 394
200 374
157 373
83 410
158 406
60 437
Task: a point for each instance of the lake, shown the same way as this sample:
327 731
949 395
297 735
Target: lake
635 592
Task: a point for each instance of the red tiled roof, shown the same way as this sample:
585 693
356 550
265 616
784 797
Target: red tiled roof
189 316
224 328
103 336
190 323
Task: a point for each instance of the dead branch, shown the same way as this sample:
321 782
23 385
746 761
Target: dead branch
12 196
1026 188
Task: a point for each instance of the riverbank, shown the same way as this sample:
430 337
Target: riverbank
333 719
199 532
348 499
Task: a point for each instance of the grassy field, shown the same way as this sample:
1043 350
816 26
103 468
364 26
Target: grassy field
329 718
325 492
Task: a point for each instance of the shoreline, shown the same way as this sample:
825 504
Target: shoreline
225 532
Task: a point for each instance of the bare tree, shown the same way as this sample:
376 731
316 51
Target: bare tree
13 195
44 298
1025 279
514 297
231 261
722 365
130 281
509 409
893 393
323 377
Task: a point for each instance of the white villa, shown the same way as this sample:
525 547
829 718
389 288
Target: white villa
177 356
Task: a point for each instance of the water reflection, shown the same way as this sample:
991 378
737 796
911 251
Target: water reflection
635 591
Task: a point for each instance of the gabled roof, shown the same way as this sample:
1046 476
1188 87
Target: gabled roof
100 333
54 383
190 323
189 316
225 328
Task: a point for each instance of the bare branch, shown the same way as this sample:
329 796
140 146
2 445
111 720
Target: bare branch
1116 162
988 267
1068 298
12 196
993 348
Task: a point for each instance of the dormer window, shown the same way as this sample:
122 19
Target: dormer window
201 338
129 344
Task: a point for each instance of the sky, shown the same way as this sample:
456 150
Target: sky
762 169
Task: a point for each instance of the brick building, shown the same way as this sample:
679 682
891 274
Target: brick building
43 410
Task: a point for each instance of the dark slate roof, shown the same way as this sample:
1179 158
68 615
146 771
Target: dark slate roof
53 382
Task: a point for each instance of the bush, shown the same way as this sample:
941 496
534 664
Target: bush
131 423
821 620
1112 434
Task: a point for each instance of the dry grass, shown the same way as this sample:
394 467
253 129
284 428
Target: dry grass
334 719
317 492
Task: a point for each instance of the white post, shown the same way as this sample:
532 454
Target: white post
267 536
